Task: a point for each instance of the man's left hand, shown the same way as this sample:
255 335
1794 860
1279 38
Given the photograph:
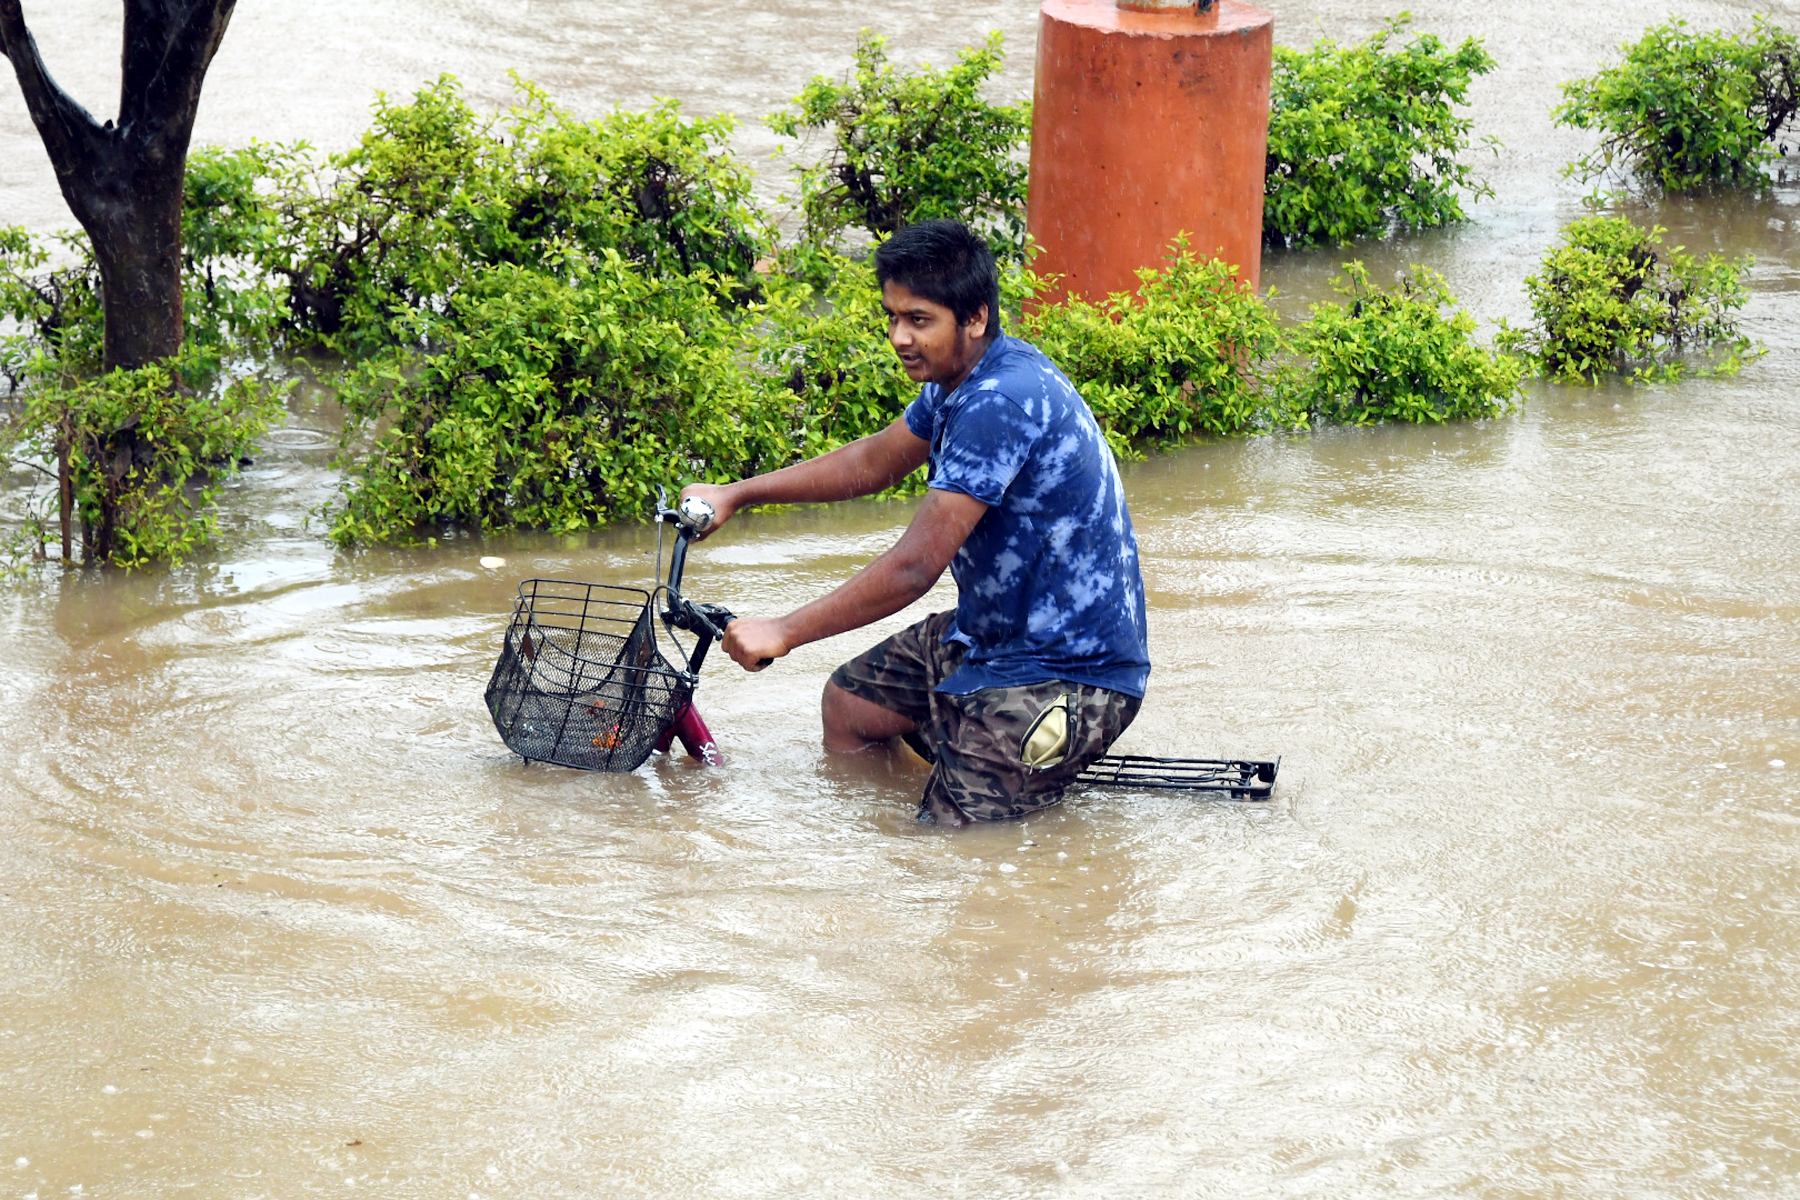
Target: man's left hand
753 641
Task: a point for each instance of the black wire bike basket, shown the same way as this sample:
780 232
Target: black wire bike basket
581 681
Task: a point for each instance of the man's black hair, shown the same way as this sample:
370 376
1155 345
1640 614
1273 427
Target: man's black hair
945 262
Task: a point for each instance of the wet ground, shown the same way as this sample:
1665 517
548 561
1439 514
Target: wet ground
281 916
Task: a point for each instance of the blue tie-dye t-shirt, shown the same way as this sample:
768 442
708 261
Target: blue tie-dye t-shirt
1048 582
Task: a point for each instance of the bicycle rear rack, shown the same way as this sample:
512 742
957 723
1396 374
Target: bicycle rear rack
1239 778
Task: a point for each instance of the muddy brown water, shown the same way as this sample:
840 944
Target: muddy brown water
279 916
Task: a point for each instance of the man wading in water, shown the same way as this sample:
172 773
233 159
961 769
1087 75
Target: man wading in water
1043 663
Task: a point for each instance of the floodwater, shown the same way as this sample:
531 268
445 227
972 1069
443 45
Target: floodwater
279 916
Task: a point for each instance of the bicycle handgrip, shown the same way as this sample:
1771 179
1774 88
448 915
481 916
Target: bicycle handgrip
726 617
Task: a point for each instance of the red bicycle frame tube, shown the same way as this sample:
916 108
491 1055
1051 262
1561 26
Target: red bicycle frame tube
695 738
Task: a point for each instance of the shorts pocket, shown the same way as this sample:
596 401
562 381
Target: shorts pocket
1046 741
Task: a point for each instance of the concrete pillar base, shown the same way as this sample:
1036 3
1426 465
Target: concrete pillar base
1147 124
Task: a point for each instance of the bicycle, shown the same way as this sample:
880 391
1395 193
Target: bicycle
582 682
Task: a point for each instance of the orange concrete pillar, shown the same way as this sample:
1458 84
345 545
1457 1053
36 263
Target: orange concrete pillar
1147 123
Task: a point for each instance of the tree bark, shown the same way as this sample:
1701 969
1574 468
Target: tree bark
123 180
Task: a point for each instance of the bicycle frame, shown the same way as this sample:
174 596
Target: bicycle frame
705 622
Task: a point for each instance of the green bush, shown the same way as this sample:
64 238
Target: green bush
434 193
662 190
552 399
47 315
908 146
1187 355
381 230
1363 137
562 399
1689 109
140 458
229 227
1195 353
1394 354
1612 299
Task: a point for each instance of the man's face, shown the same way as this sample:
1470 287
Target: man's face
932 347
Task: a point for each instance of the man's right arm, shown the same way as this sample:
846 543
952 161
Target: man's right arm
862 468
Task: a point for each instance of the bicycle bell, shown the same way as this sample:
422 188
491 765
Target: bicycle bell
696 514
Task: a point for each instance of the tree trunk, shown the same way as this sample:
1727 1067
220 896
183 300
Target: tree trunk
133 218
123 181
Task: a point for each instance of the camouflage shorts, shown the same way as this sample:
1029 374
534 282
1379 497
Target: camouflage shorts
974 742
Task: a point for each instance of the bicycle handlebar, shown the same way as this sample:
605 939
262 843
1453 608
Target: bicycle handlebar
691 516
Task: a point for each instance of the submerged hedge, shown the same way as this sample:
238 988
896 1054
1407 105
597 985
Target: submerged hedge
539 319
542 319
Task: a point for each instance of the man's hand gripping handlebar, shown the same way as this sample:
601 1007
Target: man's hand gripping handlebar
693 519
